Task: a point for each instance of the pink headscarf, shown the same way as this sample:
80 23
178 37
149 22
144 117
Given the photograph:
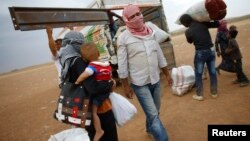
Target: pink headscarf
223 26
136 25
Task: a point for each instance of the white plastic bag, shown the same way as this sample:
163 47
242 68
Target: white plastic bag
123 110
183 79
74 134
197 11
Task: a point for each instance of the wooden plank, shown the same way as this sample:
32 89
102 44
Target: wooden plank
30 18
119 4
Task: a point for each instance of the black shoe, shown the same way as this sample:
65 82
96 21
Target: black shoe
242 84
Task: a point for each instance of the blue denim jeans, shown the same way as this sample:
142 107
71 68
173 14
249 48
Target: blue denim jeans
149 97
202 57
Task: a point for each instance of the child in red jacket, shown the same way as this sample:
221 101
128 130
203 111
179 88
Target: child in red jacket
102 71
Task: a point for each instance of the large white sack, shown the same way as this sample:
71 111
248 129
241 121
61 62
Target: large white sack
74 134
159 34
123 110
198 12
183 79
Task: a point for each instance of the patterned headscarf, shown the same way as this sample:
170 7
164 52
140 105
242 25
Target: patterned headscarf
71 48
136 25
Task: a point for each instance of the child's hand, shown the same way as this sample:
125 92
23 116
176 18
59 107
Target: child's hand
218 54
77 83
114 84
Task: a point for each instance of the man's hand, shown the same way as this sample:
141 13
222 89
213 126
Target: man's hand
127 89
170 81
49 30
52 44
166 73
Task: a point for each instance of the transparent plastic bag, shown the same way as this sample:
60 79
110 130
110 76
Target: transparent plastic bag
123 110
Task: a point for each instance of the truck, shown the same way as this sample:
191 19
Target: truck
94 22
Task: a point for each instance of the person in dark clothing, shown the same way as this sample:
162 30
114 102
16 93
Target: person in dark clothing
198 34
112 25
71 50
234 53
221 43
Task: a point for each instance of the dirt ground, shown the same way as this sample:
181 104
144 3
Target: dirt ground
28 99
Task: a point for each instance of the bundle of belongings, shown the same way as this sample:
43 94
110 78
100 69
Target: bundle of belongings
73 134
183 79
206 10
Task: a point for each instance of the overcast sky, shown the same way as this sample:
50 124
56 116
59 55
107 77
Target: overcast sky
21 49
